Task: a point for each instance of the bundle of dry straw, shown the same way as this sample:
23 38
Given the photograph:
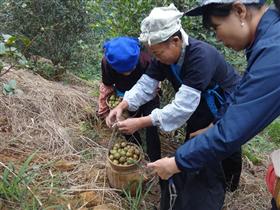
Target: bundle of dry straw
42 112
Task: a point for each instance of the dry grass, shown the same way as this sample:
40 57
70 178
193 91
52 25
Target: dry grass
45 116
44 113
252 193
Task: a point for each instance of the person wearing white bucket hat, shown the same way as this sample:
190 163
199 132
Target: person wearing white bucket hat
201 79
252 26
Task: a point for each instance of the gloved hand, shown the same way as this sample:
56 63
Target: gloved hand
270 179
104 92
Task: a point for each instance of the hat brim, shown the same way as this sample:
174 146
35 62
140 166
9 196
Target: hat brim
197 11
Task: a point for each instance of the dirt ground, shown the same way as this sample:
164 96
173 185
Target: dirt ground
58 122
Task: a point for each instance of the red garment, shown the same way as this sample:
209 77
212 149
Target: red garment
270 179
104 92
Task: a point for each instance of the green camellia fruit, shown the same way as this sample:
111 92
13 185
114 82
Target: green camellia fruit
123 144
117 155
128 154
135 157
111 157
122 159
113 151
116 162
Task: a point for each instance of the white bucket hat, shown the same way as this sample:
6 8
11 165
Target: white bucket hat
161 24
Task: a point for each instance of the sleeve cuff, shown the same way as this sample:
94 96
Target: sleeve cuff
154 118
177 161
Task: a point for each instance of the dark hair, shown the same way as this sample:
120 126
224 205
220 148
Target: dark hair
277 4
178 33
221 10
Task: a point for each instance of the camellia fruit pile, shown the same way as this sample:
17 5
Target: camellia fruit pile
124 153
114 101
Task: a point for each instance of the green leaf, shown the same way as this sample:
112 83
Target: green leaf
2 48
24 167
13 49
26 41
13 84
11 40
6 37
23 61
7 88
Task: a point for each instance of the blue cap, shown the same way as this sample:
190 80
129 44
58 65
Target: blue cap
203 3
122 53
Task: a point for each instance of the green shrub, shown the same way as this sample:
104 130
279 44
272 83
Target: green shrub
54 26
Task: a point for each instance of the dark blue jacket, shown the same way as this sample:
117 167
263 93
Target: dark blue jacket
256 102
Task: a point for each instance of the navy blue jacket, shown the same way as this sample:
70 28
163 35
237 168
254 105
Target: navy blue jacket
255 104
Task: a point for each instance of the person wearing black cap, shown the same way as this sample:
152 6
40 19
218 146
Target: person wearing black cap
122 65
201 79
241 25
277 4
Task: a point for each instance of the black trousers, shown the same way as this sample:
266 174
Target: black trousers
204 189
201 190
232 165
151 133
273 204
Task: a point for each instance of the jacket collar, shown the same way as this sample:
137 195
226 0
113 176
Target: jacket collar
269 18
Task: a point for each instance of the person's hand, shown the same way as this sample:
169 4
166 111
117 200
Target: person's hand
129 126
115 114
112 117
200 131
165 167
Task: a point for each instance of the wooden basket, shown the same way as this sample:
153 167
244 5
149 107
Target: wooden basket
130 166
107 102
126 114
124 176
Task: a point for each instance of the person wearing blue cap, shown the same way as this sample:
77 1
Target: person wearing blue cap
201 78
122 65
252 26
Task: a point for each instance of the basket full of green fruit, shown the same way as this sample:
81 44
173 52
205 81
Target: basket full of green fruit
124 155
113 101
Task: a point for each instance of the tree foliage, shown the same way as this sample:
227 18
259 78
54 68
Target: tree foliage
71 33
54 25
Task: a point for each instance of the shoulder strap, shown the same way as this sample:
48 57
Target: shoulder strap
176 72
210 95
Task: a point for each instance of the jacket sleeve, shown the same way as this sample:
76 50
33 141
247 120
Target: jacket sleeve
255 105
104 92
175 114
143 91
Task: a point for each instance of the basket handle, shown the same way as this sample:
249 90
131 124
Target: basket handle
113 137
